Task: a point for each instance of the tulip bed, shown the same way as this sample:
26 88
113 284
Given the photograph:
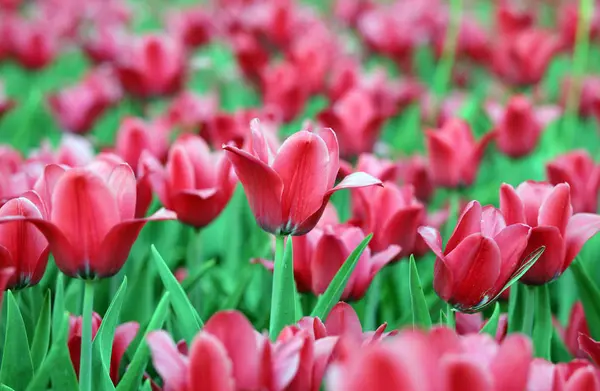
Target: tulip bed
280 195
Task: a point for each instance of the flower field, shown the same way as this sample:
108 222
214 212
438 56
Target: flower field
299 195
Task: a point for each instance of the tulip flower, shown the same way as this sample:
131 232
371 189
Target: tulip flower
350 11
34 44
511 20
196 183
135 136
73 151
14 180
439 360
392 214
518 126
192 26
472 41
104 43
547 209
589 101
415 171
356 122
569 19
283 90
250 55
483 255
577 168
590 347
474 323
191 112
576 326
152 65
90 222
22 247
319 255
571 376
124 334
288 190
454 155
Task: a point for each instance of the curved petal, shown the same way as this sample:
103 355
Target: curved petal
583 379
591 347
550 264
556 210
461 373
468 223
471 166
511 205
445 166
328 256
581 228
124 334
199 208
330 138
343 321
122 183
262 185
401 229
167 360
210 367
510 366
354 181
180 170
512 241
432 239
45 184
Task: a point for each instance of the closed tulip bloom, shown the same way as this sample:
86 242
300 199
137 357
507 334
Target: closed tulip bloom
124 334
483 254
454 154
569 376
152 65
34 44
90 222
519 125
196 183
356 121
135 136
191 112
283 90
22 246
577 168
288 190
547 209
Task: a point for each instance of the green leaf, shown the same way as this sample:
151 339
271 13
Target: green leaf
516 308
420 311
58 309
4 387
234 299
190 281
559 350
41 338
17 367
590 297
186 314
135 371
542 326
147 386
491 326
283 302
335 289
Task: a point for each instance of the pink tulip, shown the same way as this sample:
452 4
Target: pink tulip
547 209
511 20
569 19
288 190
589 101
34 44
193 26
572 376
104 43
283 90
14 177
576 326
191 112
135 136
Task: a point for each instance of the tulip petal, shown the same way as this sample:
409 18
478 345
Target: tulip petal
510 367
328 256
262 185
46 183
471 166
401 229
512 241
468 223
343 321
583 379
210 367
556 210
123 185
382 258
259 145
354 181
581 228
445 169
199 208
167 360
511 205
330 138
124 334
461 373
590 346
550 264
180 170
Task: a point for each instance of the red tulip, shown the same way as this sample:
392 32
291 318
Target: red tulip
283 90
522 59
288 191
350 11
590 347
572 376
34 44
392 214
124 334
589 101
576 326
152 65
191 112
73 151
439 360
5 276
415 171
518 126
104 43
14 178
226 128
577 168
569 19
454 155
547 209
196 183
90 221
5 103
193 26
22 246
474 323
356 121
472 41
483 254
511 20
251 56
135 136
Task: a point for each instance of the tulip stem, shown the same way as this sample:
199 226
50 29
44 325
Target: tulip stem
283 298
85 363
528 310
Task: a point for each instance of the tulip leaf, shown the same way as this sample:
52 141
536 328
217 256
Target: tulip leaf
17 367
542 326
420 311
234 299
590 297
516 308
190 281
559 352
41 338
4 387
491 326
147 386
58 309
186 314
283 299
334 291
135 370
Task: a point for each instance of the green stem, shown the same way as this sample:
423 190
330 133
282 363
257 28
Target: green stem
281 273
85 367
580 60
528 310
443 72
542 328
451 316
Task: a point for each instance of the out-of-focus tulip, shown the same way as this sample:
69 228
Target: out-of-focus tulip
190 112
392 214
14 179
288 190
589 101
5 103
577 325
454 155
590 347
73 151
547 209
152 65
415 171
283 90
22 246
135 136
511 20
522 59
124 334
577 168
251 56
519 125
439 360
356 122
472 41
350 11
103 43
34 44
193 26
319 255
474 323
196 183
569 19
90 222
226 128
572 376
483 254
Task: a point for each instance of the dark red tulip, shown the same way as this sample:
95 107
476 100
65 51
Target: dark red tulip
34 44
196 183
152 65
251 56
578 169
288 190
356 121
283 90
547 209
511 19
135 136
519 125
22 246
454 154
572 376
522 59
483 254
193 26
124 334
